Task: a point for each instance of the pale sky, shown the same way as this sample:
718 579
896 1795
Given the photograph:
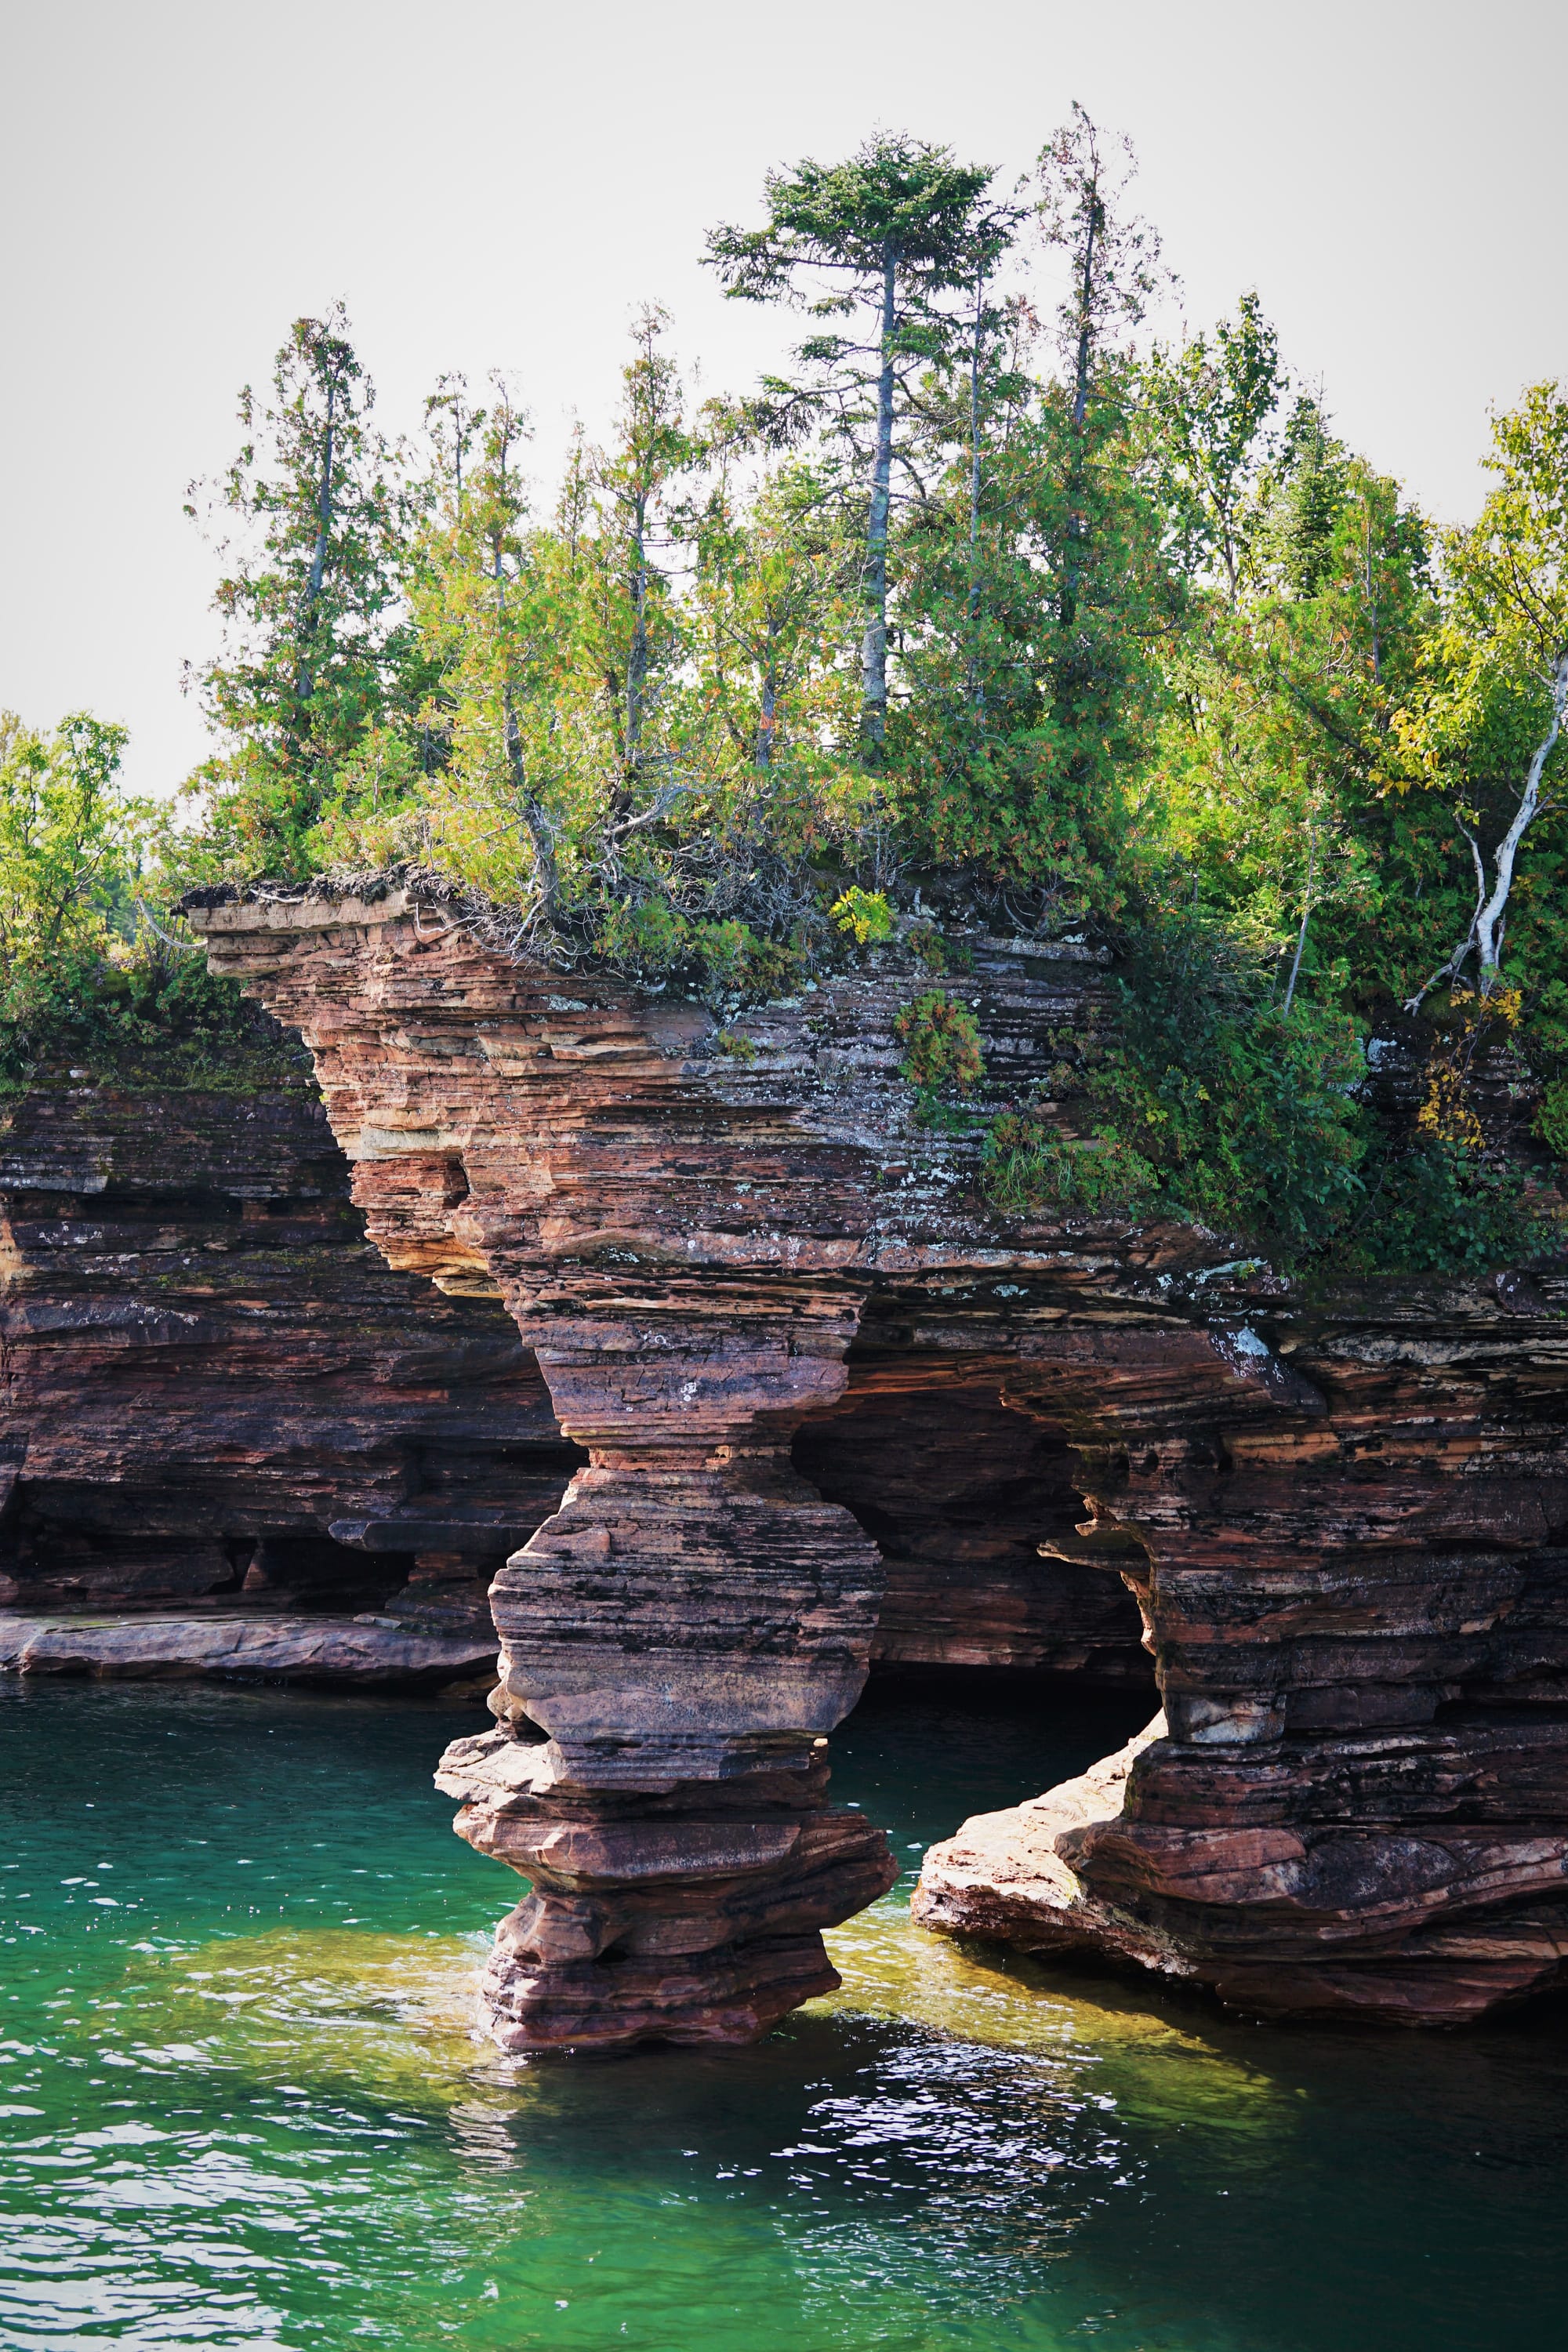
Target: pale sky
500 183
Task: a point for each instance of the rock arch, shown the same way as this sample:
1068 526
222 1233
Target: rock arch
1344 1521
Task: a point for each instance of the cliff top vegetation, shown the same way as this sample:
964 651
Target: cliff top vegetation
978 612
92 984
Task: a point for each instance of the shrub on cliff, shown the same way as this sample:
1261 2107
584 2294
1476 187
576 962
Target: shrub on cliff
90 984
1202 1099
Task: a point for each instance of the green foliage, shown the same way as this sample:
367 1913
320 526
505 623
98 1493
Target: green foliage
941 1045
926 943
1204 1101
149 1021
898 199
939 620
596 743
727 962
1439 1208
88 987
1029 1166
866 915
1264 791
67 859
652 938
1209 408
315 639
1552 1120
1033 687
1483 727
1081 180
661 689
891 236
735 1046
1246 1114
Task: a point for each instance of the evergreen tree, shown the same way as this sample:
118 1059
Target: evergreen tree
1043 556
894 237
1309 601
66 857
771 689
310 604
632 618
1113 254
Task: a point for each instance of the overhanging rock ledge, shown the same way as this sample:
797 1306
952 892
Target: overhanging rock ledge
1345 1522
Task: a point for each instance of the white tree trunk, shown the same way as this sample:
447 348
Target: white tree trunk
1487 924
874 651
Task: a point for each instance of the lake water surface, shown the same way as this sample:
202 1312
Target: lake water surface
241 2104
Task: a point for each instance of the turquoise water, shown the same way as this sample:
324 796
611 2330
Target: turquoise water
239 2104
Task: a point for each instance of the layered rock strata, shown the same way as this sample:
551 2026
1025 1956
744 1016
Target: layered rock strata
1344 1523
1356 1801
241 1642
216 1395
959 1489
215 1391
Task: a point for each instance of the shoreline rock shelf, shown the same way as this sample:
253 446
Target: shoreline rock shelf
1344 1520
242 1645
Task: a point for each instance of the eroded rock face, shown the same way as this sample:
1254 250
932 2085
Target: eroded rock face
960 1491
211 1386
215 1391
1343 1522
680 1910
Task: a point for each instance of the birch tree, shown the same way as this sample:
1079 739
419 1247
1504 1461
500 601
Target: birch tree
1488 731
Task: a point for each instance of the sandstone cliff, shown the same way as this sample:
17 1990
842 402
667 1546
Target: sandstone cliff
216 1398
214 1389
1344 1520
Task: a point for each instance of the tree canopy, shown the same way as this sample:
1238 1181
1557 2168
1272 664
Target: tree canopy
991 608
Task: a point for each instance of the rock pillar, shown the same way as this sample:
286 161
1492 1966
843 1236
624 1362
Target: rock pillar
1345 1518
685 1631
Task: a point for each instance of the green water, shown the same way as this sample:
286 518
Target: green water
240 2107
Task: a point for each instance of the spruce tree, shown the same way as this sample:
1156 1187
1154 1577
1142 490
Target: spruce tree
310 602
889 239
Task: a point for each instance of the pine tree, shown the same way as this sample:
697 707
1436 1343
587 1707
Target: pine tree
890 237
310 604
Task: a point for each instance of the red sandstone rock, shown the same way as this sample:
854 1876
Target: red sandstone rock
963 1494
209 1380
1345 1522
1005 1875
240 1647
707 1896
